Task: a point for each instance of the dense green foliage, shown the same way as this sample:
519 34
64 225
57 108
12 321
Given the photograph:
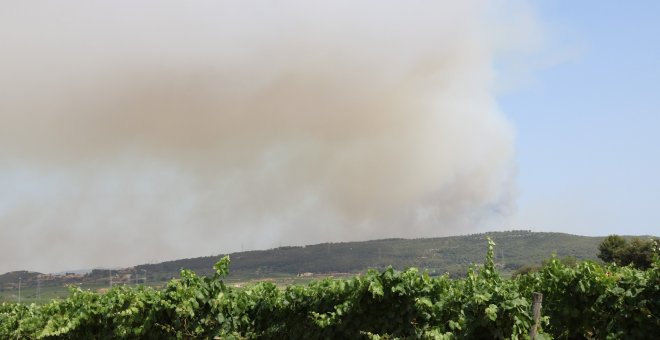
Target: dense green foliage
638 253
568 261
584 301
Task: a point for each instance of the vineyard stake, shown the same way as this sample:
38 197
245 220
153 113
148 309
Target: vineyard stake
536 312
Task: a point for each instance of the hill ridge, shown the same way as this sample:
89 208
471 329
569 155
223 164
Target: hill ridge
437 255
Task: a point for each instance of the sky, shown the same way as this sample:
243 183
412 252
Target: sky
587 121
133 134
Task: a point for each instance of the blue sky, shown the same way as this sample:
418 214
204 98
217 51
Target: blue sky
588 127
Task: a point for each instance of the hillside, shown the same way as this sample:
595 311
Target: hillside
437 255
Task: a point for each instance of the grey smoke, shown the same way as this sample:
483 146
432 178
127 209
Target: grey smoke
137 131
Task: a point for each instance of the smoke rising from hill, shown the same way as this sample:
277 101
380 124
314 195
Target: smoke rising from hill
136 131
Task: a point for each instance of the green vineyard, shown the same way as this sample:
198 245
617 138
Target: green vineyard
585 301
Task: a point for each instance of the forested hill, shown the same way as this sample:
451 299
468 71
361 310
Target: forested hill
438 255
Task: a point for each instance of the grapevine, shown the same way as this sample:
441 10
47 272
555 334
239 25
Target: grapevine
589 300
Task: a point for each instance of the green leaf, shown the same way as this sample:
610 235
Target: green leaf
222 266
491 312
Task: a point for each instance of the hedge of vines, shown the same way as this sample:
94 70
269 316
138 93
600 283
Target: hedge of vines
586 301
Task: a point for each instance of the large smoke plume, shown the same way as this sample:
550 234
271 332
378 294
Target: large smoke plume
133 131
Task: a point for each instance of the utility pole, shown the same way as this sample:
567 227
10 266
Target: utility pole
110 277
19 290
38 287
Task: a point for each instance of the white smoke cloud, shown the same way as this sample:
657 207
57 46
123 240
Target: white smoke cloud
137 131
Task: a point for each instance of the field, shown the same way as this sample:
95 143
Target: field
46 294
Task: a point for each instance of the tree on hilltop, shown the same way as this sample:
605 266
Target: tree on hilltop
637 252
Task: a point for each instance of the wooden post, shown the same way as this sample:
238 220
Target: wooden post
536 312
